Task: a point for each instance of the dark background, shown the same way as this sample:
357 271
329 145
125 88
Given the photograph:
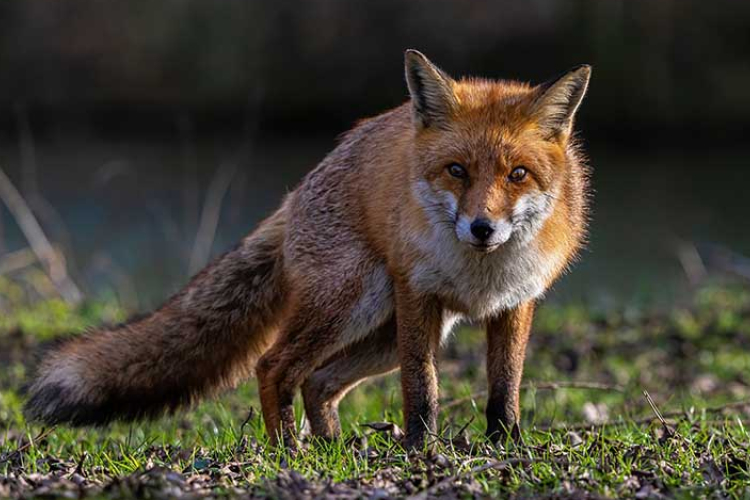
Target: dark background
125 124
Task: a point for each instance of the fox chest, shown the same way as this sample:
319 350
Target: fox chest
479 286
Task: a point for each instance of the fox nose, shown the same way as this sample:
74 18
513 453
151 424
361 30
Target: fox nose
482 229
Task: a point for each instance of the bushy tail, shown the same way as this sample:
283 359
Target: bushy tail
204 339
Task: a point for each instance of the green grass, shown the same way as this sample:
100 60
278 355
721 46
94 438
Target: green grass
692 360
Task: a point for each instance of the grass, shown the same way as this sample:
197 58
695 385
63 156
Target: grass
693 361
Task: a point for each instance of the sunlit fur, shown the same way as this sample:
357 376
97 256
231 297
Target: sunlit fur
539 222
365 268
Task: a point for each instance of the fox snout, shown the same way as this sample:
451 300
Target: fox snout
482 233
482 229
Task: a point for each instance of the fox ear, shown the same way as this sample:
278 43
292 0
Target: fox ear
431 90
558 101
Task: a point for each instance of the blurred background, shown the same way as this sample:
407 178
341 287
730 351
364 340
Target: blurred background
145 137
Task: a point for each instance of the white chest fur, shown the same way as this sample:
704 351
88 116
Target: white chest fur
481 285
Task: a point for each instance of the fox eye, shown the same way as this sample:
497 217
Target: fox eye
457 171
517 174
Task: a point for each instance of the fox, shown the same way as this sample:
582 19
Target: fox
465 203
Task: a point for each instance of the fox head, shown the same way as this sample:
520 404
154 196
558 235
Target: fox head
491 157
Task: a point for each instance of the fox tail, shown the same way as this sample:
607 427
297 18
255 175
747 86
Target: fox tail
204 339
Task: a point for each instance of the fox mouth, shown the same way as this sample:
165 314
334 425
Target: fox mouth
483 247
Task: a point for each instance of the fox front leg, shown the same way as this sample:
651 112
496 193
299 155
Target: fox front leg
507 336
419 322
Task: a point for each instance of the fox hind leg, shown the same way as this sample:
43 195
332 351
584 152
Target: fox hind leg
302 346
376 354
306 342
344 305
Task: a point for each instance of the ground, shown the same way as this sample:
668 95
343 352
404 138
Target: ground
624 403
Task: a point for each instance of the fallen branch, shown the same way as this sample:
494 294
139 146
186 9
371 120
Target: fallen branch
53 261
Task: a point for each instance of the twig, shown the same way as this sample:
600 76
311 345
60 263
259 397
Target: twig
250 416
654 408
27 150
725 260
2 234
42 434
691 262
14 261
204 238
668 431
727 406
465 426
190 200
29 187
597 386
52 260
541 386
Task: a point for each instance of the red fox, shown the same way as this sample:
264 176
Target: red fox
465 203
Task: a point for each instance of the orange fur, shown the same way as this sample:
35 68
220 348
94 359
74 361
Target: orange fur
365 268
